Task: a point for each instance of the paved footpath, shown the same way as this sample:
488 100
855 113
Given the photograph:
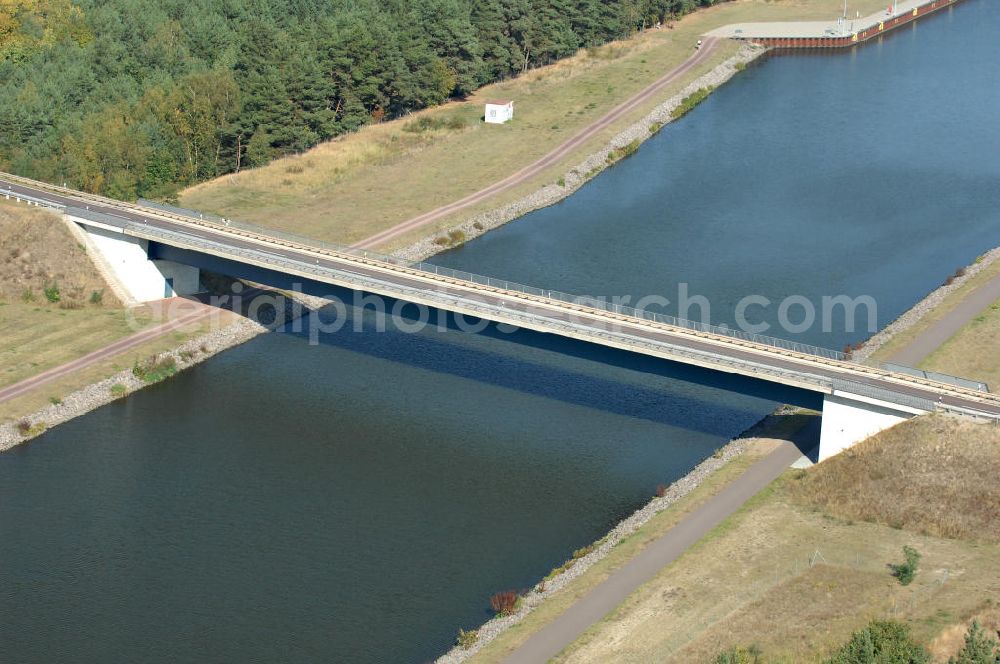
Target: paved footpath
120 346
697 57
568 627
939 332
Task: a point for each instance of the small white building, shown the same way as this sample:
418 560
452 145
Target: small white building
498 112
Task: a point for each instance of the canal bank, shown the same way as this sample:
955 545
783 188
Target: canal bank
621 145
843 33
324 486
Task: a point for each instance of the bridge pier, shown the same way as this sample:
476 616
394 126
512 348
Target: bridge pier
127 260
849 418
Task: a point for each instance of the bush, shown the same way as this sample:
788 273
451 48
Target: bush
467 639
118 390
425 123
655 127
688 103
97 297
561 182
153 370
27 295
504 603
626 151
906 571
52 292
978 649
749 655
881 642
456 236
661 490
28 428
55 401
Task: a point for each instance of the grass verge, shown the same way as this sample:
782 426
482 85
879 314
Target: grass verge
352 187
795 571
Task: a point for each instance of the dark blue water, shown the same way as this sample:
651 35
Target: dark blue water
360 500
874 172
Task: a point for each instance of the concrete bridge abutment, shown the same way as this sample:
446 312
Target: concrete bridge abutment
124 259
848 419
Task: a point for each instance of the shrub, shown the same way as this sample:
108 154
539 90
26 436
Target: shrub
504 603
467 639
661 490
561 182
655 127
688 103
749 655
153 370
118 390
478 226
97 297
55 401
881 642
978 649
27 295
906 571
456 236
625 151
442 241
52 292
425 123
24 427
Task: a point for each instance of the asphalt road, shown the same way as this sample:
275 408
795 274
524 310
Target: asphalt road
697 57
513 303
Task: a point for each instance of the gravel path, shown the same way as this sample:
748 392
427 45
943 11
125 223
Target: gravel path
582 172
917 350
682 487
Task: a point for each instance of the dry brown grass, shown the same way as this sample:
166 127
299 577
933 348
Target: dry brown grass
796 581
36 251
934 475
973 351
352 187
951 639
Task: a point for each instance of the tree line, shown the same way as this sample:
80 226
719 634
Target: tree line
140 97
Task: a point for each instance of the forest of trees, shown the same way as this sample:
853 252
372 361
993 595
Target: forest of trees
141 97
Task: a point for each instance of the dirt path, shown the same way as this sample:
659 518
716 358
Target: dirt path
940 331
591 608
699 56
120 346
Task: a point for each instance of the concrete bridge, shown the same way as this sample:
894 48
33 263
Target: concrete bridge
858 400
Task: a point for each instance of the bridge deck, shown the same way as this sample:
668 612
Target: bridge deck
534 310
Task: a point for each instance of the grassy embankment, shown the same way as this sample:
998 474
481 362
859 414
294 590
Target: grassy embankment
37 334
352 187
973 351
804 563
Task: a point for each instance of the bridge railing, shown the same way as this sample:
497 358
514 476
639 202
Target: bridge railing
947 379
872 392
503 284
362 282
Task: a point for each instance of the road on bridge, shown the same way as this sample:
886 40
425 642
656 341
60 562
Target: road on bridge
344 269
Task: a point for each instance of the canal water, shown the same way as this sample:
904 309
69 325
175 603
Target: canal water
360 499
